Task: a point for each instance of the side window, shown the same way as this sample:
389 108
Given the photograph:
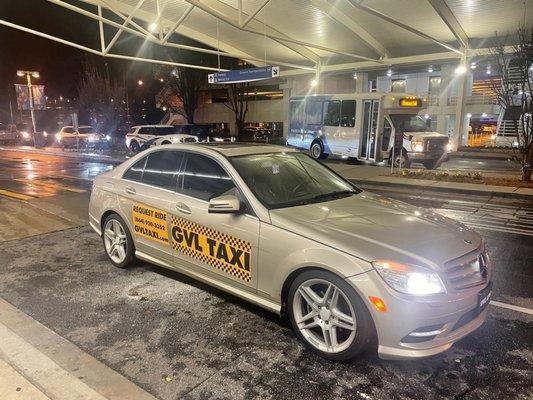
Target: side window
296 113
313 112
204 178
332 113
135 172
68 130
144 131
162 168
348 113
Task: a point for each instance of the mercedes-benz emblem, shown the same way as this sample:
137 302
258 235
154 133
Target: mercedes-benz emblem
467 241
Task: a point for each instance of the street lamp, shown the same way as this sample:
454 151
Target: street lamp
29 75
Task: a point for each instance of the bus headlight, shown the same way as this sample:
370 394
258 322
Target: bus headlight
417 145
409 279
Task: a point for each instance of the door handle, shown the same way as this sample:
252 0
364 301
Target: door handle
183 208
130 190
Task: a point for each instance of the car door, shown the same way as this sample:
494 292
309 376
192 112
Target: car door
147 193
222 246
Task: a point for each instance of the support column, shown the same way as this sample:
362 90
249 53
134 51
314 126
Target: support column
460 113
361 83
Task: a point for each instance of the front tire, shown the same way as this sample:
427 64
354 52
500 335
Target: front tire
118 242
329 316
317 150
405 162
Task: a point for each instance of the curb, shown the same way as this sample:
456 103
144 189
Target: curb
76 156
520 196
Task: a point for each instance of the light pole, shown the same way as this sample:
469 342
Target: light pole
29 75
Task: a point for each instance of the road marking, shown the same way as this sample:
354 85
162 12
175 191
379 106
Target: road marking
512 307
15 195
499 229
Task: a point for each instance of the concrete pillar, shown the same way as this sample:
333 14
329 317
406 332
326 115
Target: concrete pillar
361 83
460 114
286 97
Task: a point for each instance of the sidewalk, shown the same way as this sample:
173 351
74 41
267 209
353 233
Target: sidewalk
38 364
370 175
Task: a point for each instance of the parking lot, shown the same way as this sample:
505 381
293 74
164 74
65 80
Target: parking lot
177 338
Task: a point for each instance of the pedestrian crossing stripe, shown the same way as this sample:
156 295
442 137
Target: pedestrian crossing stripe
15 195
222 251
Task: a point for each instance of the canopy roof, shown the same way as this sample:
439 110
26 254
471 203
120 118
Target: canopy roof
307 35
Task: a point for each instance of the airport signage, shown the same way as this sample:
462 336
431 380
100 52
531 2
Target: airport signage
244 75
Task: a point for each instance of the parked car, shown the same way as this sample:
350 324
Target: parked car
140 134
85 136
25 134
8 134
173 138
275 227
204 132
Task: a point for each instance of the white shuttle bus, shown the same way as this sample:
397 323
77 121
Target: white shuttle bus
363 125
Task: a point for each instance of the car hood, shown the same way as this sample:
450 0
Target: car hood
373 227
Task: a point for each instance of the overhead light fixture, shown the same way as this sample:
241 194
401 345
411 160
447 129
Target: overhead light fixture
426 116
153 27
140 82
473 65
355 75
430 68
489 69
484 115
461 69
469 115
389 72
314 82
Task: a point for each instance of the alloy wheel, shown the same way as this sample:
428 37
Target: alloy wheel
324 315
115 241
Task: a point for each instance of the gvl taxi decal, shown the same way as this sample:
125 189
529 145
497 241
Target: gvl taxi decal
150 223
212 247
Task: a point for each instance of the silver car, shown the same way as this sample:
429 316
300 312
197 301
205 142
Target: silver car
275 227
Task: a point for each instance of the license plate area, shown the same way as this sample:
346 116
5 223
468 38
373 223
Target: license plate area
483 297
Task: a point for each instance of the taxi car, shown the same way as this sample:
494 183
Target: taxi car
275 227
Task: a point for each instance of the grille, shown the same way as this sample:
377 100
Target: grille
468 274
436 144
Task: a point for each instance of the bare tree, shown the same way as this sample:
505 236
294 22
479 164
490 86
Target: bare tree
101 99
238 102
514 92
185 84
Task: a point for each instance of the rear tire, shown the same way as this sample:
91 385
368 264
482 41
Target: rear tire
134 147
116 232
317 150
338 326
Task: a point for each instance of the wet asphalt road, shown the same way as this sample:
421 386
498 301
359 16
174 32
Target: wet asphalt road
178 338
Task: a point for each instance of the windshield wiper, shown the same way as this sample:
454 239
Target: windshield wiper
333 195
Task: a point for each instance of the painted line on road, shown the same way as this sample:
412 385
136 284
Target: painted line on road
498 229
511 307
15 195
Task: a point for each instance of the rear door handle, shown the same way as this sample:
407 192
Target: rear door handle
130 190
183 208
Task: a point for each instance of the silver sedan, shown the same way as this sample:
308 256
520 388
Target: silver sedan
275 227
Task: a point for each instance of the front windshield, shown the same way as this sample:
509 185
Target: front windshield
409 123
290 179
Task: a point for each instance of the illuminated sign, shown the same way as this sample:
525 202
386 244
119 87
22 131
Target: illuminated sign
410 102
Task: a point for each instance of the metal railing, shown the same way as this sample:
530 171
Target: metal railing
475 99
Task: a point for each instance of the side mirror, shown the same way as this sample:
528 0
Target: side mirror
228 204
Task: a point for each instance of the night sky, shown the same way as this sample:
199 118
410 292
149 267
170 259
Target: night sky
60 66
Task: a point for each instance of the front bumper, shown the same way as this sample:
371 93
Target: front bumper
426 156
452 315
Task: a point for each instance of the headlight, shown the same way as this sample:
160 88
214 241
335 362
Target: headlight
58 137
417 146
217 139
408 278
92 138
108 138
45 134
25 135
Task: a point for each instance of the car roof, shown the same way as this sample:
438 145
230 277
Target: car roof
237 149
79 126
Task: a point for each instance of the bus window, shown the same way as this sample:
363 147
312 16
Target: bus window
313 112
332 113
387 131
297 114
348 113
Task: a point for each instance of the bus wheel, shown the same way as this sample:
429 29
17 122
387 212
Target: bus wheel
403 159
317 150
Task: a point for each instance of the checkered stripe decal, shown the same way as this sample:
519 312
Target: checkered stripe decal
227 240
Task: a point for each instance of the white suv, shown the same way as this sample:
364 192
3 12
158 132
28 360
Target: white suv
139 135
